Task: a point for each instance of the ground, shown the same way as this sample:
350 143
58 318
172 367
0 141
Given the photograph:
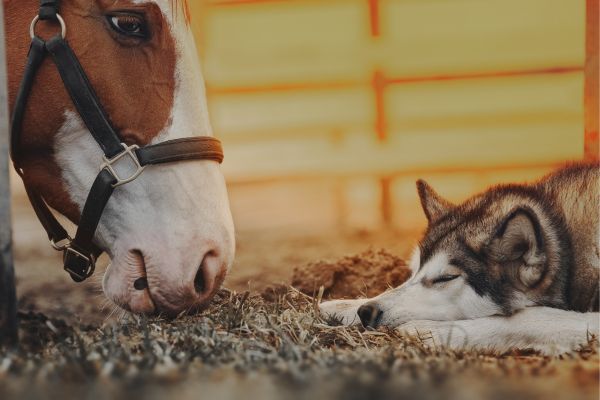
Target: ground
280 348
253 341
263 259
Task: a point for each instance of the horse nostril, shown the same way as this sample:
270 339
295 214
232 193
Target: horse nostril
199 281
137 260
140 283
369 315
207 273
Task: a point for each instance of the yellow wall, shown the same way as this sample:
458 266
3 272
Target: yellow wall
290 94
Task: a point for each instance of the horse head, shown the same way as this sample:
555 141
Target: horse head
169 234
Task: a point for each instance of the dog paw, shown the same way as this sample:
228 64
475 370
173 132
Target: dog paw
341 312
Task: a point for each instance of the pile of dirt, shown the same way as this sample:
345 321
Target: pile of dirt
362 275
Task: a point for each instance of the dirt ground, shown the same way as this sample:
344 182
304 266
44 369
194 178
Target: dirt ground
75 345
366 274
263 259
247 346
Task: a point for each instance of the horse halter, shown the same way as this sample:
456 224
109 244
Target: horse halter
80 253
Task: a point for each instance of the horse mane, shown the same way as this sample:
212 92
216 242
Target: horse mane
184 6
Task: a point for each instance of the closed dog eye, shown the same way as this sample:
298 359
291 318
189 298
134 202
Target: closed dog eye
444 278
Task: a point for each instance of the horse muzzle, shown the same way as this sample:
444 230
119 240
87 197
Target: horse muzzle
155 281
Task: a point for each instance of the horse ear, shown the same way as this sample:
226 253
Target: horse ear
519 242
433 204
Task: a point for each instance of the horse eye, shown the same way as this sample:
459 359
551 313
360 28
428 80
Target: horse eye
444 278
128 25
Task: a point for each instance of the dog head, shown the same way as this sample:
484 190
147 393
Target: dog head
492 255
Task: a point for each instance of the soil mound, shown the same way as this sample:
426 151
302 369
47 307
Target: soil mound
365 274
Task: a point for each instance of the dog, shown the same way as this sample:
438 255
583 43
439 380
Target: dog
515 267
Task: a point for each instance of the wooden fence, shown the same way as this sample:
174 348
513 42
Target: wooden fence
380 89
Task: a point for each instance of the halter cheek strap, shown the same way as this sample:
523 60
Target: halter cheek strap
80 253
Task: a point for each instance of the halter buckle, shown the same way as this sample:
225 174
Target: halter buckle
61 245
78 265
110 163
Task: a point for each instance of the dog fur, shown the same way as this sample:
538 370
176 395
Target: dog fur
517 266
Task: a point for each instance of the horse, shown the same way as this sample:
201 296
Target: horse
169 233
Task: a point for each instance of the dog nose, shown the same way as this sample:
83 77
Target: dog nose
370 315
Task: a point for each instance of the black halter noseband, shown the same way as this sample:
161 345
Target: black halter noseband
80 253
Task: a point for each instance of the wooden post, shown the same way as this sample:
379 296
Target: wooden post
374 19
8 306
592 146
387 201
379 83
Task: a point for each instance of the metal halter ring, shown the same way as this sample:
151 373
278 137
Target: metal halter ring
129 151
61 21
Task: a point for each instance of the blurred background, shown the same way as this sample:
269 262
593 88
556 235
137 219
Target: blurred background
330 110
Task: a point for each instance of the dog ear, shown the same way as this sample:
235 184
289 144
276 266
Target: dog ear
433 204
519 242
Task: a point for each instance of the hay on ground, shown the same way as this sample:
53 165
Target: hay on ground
247 346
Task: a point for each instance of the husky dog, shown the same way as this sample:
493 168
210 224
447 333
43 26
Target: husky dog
517 266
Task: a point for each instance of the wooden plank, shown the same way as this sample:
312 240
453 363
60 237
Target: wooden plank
491 147
268 44
592 147
8 312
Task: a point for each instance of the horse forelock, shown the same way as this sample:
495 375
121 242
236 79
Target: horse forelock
184 6
177 6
